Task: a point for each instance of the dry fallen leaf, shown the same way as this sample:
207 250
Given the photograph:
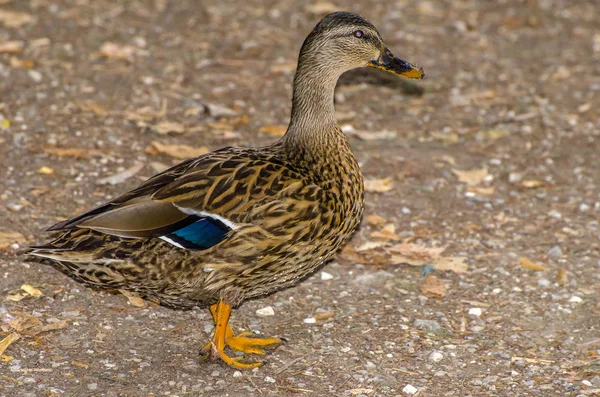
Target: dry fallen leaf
531 184
417 255
374 185
31 290
122 176
91 106
4 343
11 47
376 220
70 152
388 232
482 191
46 170
116 51
9 238
471 177
527 264
21 63
134 299
169 127
561 277
14 19
321 8
23 321
433 287
273 129
80 364
176 151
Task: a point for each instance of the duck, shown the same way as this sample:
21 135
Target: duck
238 223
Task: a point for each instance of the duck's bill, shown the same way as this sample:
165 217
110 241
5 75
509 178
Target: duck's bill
391 63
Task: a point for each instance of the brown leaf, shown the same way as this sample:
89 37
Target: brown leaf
12 47
527 264
122 176
456 264
80 364
21 63
561 276
71 152
388 232
433 287
376 220
91 106
9 238
134 299
176 151
471 177
14 19
23 321
375 185
169 127
417 255
418 251
273 129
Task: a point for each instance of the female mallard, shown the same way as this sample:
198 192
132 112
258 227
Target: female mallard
239 223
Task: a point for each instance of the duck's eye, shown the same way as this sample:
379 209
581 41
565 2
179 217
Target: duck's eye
358 33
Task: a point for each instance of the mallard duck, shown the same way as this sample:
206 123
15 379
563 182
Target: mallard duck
239 223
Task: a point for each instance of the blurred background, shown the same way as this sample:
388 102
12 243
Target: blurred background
484 177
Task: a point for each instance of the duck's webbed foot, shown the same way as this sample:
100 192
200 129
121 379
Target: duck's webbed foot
223 336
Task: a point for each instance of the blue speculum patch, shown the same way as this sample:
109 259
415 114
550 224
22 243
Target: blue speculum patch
202 233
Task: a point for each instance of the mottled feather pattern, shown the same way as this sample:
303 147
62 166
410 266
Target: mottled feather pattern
290 220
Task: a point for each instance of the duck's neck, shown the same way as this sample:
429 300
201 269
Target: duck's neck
313 113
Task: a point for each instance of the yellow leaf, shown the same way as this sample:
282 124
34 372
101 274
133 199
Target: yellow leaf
46 171
532 184
4 343
527 264
31 290
9 238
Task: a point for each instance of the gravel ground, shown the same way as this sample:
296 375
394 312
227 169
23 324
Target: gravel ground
475 271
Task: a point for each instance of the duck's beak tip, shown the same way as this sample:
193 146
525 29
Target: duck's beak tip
391 63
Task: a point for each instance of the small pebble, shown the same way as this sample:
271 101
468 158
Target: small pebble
309 320
237 374
269 379
429 325
543 282
555 252
326 276
92 386
265 312
475 311
575 299
410 390
436 357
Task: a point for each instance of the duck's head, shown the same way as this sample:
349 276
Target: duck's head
343 40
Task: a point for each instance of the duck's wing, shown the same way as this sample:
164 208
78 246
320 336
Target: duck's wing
196 204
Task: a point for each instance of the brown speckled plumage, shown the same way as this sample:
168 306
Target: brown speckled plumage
292 204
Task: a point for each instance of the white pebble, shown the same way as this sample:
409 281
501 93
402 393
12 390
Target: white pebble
436 357
575 299
410 389
587 383
237 374
269 379
309 320
265 312
475 311
326 276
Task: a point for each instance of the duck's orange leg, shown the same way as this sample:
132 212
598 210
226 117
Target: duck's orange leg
223 336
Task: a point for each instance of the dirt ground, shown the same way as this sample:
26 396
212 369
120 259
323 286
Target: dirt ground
476 271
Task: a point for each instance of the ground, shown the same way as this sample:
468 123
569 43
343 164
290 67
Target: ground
484 177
